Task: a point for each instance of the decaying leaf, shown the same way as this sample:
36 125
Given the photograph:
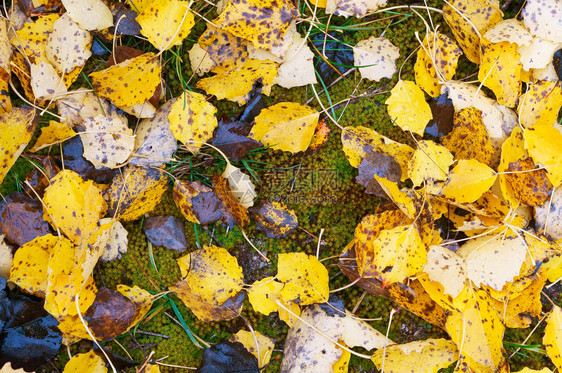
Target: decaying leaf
21 218
540 104
376 58
130 82
274 219
236 85
262 351
233 212
166 231
206 211
305 279
135 192
45 81
166 23
421 356
211 277
286 126
68 45
528 184
407 107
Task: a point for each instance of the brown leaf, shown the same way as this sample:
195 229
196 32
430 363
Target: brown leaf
21 218
274 219
380 164
233 212
110 315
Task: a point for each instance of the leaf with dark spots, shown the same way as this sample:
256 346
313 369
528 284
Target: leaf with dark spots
166 231
21 218
274 219
233 213
383 166
339 56
443 113
348 265
29 337
334 306
228 357
73 160
110 315
38 178
231 138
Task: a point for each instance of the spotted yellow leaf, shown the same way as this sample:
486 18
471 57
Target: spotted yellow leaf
192 120
130 82
54 133
438 49
211 279
68 45
286 126
235 85
88 362
407 107
540 104
429 162
73 205
33 37
223 49
165 23
469 21
263 295
263 22
263 349
89 14
420 356
468 180
357 141
552 339
544 144
305 279
17 127
376 58
135 192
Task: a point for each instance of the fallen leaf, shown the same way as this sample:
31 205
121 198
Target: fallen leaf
33 36
383 166
233 212
548 217
6 259
542 19
263 22
166 23
540 104
447 268
263 295
5 68
305 279
274 219
543 144
468 180
21 218
68 45
130 82
165 231
528 184
264 347
430 162
357 142
231 138
511 30
297 68
275 123
89 14
110 238
227 356
236 85
375 58
552 339
135 192
407 107
210 278
347 8
88 362
427 356
220 48
17 128
537 55
46 83
240 185
54 133
203 210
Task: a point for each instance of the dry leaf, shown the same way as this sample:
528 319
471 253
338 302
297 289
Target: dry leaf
430 162
375 58
52 134
305 279
468 180
68 45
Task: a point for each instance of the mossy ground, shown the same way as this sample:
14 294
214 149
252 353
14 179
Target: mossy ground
320 187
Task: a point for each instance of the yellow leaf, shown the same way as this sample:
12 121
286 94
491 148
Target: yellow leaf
529 184
222 48
401 154
286 126
54 133
469 138
85 363
447 268
430 162
357 141
135 192
398 253
33 36
305 279
540 104
500 70
17 127
68 45
528 370
287 316
469 20
29 269
544 144
420 356
263 22
73 205
275 219
513 149
130 82
236 85
108 142
403 199
45 82
262 351
442 50
166 23
211 278
365 234
375 58
141 298
468 180
407 107
192 118
183 194
478 332
89 14
263 295
110 239
552 339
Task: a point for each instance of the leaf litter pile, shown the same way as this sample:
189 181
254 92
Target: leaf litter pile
467 235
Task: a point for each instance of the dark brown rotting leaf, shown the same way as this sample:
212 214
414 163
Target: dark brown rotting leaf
73 160
274 219
110 315
21 218
233 212
166 231
228 357
128 24
231 138
197 202
380 164
38 178
530 187
443 112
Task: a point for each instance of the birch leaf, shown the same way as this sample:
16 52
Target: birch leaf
407 107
